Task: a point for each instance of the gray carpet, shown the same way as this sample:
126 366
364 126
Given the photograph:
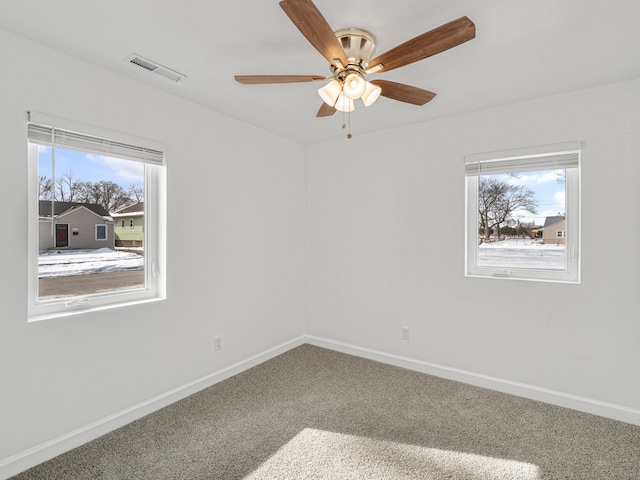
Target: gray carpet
313 413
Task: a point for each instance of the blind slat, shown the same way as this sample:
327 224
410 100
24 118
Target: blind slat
550 157
489 167
42 134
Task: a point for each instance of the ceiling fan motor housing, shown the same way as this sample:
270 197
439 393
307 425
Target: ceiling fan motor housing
358 45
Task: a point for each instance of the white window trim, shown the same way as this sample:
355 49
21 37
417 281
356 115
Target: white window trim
154 231
526 159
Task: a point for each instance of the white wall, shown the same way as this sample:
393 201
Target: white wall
386 250
235 253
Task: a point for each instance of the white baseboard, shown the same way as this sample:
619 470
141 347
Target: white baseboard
41 453
561 399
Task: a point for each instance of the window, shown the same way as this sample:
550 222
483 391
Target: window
101 232
131 223
522 211
79 177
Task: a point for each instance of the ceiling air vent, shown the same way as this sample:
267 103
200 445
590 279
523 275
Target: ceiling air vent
155 67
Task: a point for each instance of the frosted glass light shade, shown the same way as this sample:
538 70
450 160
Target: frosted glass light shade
344 103
371 94
354 85
330 92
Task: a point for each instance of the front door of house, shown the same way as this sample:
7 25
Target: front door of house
62 235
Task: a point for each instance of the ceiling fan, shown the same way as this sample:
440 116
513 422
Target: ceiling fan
349 55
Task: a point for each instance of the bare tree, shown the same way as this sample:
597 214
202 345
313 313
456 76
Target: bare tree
526 229
45 188
490 193
498 199
68 188
136 192
104 192
113 195
90 193
60 190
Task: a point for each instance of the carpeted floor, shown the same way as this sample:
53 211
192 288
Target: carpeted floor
313 413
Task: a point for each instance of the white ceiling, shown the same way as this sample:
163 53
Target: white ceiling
522 50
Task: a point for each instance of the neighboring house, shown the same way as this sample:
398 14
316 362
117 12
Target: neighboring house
554 230
537 231
129 227
74 226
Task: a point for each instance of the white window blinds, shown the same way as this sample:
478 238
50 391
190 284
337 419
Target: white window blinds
549 157
51 133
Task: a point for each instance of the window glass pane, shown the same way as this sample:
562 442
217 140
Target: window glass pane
81 247
519 216
101 232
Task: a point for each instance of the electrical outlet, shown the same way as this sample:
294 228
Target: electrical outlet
406 334
217 343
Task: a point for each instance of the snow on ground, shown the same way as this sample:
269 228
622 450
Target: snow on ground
522 253
515 253
521 243
79 262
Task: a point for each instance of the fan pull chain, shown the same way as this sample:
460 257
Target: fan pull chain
344 125
347 112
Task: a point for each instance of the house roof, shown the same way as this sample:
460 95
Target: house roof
551 220
135 208
44 208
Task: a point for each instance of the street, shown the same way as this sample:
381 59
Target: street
89 283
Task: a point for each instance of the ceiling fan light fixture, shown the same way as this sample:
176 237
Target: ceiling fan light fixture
330 92
371 94
344 103
354 85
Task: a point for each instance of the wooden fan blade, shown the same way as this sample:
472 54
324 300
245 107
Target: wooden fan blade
265 79
429 43
308 19
404 93
325 110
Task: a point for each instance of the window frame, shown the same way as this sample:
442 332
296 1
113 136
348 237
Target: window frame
106 232
154 219
557 156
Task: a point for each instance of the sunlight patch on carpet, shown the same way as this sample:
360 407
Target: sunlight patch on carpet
316 454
